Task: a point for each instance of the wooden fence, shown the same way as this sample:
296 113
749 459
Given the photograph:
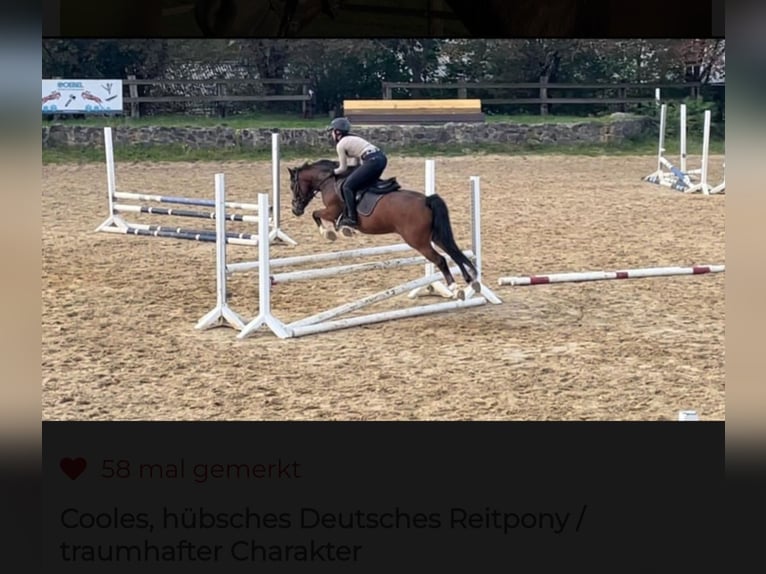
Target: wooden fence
222 93
221 97
612 94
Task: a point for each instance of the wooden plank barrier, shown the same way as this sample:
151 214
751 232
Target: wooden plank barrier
373 112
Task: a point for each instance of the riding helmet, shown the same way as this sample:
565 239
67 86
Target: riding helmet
341 124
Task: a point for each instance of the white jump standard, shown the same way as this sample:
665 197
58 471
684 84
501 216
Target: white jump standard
115 223
680 178
605 275
222 314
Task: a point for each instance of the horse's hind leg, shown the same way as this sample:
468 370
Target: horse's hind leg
441 263
468 275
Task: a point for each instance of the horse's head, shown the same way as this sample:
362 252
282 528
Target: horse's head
306 180
302 187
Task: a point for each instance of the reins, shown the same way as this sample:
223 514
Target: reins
318 188
321 183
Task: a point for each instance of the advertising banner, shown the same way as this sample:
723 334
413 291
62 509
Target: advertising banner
82 96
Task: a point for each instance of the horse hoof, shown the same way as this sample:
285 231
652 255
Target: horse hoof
330 235
457 293
347 231
476 286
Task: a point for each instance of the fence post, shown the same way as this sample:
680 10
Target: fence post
387 92
543 95
133 93
462 93
220 90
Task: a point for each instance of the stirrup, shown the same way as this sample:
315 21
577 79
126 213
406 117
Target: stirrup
347 221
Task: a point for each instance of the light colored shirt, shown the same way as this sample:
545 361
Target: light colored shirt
351 147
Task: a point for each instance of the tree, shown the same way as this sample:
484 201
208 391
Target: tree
104 58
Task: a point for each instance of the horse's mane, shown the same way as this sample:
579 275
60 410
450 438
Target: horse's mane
325 164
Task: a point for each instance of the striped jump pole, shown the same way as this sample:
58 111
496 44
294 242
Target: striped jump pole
221 314
155 231
205 235
121 207
604 275
115 223
183 200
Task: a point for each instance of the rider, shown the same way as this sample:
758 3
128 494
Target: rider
372 162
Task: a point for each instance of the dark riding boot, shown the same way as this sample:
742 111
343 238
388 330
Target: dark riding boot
349 217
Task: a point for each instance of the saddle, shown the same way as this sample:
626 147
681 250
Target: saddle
368 198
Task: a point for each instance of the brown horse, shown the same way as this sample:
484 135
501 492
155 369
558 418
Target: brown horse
417 218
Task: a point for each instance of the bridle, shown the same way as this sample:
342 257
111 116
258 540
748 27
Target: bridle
306 199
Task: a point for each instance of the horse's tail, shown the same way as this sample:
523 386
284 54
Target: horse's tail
441 233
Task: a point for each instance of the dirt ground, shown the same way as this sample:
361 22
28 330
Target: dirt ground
119 311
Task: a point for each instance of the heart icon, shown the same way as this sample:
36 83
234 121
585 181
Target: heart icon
73 467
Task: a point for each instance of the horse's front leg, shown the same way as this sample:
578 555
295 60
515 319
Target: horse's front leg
329 215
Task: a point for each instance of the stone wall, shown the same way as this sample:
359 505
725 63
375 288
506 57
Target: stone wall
619 128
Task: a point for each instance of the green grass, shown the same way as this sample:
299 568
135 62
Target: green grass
179 153
265 121
270 121
537 119
157 153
